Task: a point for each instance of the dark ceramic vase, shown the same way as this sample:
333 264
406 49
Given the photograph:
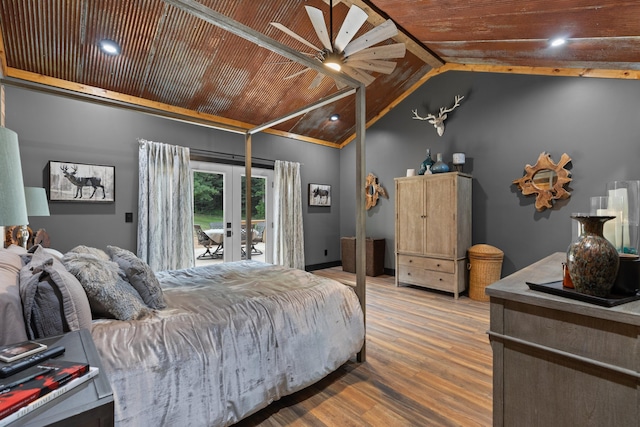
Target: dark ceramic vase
426 165
592 260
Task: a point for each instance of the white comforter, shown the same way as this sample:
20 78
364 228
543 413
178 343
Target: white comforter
234 338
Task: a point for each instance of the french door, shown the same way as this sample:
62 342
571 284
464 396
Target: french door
219 204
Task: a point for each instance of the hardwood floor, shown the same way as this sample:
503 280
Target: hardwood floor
429 363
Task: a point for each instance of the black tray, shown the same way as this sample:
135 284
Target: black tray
556 288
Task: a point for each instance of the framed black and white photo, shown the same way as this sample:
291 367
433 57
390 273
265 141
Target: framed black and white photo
319 195
78 182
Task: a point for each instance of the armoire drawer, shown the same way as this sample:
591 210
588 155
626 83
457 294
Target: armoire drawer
428 278
442 265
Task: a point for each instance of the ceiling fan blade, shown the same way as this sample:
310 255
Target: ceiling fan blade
317 19
396 50
297 74
360 76
382 32
294 35
339 85
352 23
316 81
384 67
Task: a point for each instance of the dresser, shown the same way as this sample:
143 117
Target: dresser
433 231
558 361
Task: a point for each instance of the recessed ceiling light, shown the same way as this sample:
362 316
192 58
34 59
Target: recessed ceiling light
334 117
110 47
558 42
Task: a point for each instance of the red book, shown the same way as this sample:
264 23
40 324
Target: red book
60 373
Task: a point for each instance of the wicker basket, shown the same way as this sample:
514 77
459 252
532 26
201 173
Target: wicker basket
485 266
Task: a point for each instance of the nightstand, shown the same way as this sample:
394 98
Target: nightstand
89 404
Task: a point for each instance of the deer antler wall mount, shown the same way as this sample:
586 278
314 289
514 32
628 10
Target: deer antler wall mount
438 122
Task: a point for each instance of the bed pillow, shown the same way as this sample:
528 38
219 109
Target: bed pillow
81 249
12 327
139 275
53 300
110 295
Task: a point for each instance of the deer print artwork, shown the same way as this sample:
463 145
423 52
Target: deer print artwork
81 182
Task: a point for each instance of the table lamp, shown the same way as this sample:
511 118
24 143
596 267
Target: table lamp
37 205
13 205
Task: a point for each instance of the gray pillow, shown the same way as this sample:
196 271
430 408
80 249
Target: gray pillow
109 294
139 275
12 329
53 300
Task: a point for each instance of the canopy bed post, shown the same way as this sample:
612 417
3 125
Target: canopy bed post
248 233
360 208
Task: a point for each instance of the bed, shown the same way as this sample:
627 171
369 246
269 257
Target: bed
204 346
231 339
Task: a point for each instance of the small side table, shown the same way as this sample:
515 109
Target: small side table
89 404
375 255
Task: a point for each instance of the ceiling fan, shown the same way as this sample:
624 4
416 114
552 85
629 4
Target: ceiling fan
352 57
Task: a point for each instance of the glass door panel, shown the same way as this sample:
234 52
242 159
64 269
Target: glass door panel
220 211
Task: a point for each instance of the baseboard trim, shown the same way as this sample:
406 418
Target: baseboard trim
322 266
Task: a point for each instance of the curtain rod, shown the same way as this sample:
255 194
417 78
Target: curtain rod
221 157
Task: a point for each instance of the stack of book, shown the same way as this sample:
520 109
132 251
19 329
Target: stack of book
33 387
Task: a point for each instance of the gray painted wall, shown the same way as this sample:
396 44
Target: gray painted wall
55 128
504 123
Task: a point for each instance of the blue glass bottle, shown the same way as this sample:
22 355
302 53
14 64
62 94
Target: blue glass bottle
439 166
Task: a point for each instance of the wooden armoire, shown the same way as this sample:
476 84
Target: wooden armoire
433 231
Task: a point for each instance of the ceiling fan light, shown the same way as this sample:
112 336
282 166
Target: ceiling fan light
558 42
333 65
333 60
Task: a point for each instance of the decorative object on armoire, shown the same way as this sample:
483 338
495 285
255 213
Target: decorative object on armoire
432 238
458 161
425 167
438 122
411 172
373 190
624 200
13 209
439 166
546 180
592 260
485 268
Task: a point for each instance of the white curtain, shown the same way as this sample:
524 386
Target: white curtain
165 206
288 245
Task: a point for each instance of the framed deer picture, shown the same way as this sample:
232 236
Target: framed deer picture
78 182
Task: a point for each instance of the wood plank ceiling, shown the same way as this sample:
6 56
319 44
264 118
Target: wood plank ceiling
178 65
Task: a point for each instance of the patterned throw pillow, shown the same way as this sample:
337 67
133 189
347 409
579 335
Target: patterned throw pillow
109 294
139 275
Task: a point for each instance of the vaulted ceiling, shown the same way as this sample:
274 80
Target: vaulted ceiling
176 64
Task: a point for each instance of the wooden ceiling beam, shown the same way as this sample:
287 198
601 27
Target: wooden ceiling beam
412 46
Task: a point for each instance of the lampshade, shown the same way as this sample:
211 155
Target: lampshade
36 201
13 206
